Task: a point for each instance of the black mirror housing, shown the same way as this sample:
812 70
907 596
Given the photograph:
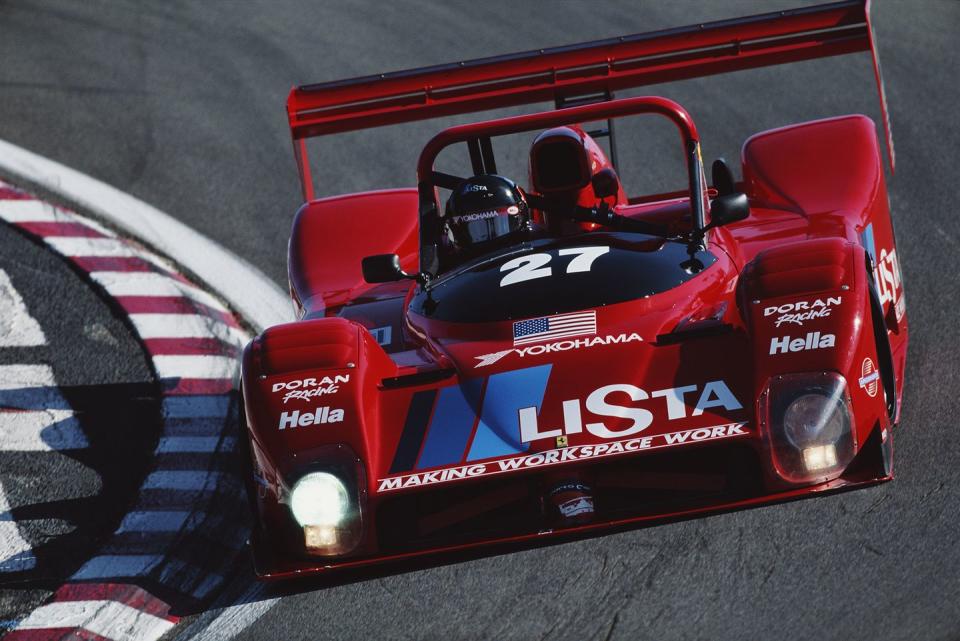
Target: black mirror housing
729 209
605 183
382 268
723 178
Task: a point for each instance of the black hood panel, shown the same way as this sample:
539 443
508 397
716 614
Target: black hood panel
546 277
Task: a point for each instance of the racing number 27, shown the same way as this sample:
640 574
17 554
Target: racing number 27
534 266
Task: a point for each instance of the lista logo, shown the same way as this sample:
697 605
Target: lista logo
304 419
886 273
714 394
813 340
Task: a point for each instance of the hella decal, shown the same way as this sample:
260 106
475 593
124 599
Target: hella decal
813 340
567 455
599 403
798 312
559 346
305 419
308 388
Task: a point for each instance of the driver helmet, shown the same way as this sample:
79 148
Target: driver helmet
486 208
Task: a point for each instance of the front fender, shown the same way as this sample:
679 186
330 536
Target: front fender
808 308
307 385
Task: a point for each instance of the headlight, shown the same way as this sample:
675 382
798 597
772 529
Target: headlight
320 499
813 420
327 501
807 420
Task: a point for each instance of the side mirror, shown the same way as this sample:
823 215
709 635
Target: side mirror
605 183
723 178
382 268
728 209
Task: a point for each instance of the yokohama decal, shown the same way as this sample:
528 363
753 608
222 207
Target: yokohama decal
564 455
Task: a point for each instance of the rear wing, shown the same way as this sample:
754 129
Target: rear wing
597 68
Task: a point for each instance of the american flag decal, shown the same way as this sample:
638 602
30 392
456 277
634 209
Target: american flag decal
548 328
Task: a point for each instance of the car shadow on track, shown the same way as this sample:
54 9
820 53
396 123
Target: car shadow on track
344 577
67 505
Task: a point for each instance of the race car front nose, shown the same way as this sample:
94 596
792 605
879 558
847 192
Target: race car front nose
807 422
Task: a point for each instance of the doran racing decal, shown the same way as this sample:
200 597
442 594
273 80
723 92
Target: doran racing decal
798 312
566 455
869 377
306 389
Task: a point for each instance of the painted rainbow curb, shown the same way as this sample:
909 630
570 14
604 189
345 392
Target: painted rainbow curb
191 495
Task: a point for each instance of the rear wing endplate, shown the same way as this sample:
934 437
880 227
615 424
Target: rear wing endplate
600 66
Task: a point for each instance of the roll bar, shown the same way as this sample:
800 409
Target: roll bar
482 131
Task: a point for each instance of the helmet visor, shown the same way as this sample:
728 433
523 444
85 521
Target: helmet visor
484 226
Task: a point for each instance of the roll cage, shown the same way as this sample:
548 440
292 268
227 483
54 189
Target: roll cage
477 137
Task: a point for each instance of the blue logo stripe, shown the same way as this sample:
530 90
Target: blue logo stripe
498 433
453 419
866 238
413 429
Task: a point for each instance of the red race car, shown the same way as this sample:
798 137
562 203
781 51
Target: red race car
512 360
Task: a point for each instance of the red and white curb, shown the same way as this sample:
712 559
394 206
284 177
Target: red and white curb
97 611
193 341
249 291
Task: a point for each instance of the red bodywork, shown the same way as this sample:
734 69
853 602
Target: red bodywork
452 424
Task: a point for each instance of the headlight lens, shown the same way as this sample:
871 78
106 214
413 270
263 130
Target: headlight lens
813 419
327 501
321 499
807 421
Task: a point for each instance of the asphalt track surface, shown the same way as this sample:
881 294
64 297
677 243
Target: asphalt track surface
182 105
